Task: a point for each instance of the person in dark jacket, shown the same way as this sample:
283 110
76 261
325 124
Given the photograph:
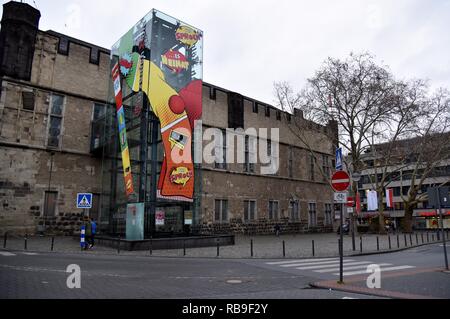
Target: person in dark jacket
87 233
93 232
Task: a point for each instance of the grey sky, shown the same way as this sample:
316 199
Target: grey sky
250 44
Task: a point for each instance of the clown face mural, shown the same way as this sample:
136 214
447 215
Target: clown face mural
162 58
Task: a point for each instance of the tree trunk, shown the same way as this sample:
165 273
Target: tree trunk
408 219
381 226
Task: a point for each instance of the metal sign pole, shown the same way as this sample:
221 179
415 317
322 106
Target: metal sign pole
442 226
341 248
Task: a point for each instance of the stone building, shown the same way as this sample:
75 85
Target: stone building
54 87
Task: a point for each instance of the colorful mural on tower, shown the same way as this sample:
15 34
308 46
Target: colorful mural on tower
162 57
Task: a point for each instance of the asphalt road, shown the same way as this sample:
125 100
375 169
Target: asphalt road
43 275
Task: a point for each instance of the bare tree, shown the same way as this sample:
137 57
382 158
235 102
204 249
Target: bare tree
356 93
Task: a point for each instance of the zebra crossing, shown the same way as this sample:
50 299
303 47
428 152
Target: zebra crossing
331 266
9 254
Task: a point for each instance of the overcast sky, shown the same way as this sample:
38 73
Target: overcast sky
250 44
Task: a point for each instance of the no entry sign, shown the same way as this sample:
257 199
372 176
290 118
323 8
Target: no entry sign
340 181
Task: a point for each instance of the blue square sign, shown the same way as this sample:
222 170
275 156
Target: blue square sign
84 200
339 159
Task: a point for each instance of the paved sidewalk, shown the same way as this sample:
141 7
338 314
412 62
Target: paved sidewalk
296 246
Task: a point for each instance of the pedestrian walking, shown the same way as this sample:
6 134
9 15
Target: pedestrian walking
277 229
87 232
93 232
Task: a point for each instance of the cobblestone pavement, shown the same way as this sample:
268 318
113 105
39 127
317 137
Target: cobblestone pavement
296 246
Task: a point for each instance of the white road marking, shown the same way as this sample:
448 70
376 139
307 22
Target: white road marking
351 273
334 265
316 263
30 254
6 254
299 261
348 268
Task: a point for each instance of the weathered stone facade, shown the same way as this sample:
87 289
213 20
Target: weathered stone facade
79 73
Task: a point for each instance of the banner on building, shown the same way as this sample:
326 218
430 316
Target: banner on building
372 200
126 164
163 57
389 197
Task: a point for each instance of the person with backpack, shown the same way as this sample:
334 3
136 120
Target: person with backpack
87 233
93 232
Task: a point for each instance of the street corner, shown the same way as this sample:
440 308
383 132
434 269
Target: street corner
353 288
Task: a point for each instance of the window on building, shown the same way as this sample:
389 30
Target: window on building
99 111
255 107
328 214
28 100
221 210
94 56
249 210
55 120
273 210
294 210
311 167
235 110
221 152
250 154
267 111
278 116
63 47
212 93
50 204
274 157
312 214
288 118
291 162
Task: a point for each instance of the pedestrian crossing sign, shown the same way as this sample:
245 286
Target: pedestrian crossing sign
84 200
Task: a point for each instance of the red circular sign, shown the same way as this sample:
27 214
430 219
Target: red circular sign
340 181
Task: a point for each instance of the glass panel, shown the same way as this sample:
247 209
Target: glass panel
224 210
246 210
99 111
252 210
217 210
50 203
57 104
54 131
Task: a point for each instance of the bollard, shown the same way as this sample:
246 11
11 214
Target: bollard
428 237
406 243
360 244
398 242
378 244
410 239
53 243
432 237
5 239
313 250
25 243
389 239
284 249
184 248
251 247
417 239
421 235
118 246
151 245
218 252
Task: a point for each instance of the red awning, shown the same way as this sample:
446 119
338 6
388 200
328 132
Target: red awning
433 214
